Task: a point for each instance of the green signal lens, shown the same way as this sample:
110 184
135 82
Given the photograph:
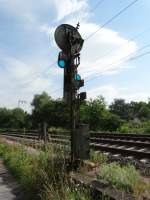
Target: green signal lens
77 77
61 63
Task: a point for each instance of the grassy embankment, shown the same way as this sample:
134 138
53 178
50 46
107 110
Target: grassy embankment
44 176
138 128
123 177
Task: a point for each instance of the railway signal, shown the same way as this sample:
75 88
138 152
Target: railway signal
62 60
70 42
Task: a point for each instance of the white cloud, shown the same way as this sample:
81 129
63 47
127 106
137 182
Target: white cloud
45 28
105 51
23 77
110 92
68 7
20 79
31 9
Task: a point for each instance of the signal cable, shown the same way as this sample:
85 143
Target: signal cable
132 59
112 18
144 47
131 40
141 55
97 5
38 75
124 44
108 21
92 9
126 58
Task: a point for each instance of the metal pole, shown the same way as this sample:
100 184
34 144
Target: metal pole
45 131
72 113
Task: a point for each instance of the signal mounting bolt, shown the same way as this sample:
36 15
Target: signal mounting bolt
78 26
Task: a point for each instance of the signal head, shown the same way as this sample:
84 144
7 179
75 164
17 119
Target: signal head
68 39
62 60
82 96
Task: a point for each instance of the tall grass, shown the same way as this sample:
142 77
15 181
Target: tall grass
98 157
42 176
126 178
123 177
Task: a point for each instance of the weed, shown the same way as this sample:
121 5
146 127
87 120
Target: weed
42 175
98 157
123 177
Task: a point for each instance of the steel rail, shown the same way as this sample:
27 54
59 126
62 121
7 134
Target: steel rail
100 144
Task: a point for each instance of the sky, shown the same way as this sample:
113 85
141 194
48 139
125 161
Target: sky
113 63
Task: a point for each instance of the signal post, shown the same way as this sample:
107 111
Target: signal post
70 42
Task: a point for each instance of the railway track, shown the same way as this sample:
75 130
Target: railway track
131 145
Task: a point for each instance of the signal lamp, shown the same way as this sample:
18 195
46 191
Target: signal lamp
77 77
82 96
62 60
61 63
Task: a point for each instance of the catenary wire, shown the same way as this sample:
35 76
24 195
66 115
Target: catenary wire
39 74
126 43
112 18
96 5
92 9
126 58
139 56
107 22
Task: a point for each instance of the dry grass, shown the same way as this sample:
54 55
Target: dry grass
42 175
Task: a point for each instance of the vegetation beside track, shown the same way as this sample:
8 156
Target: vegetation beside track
41 176
124 177
98 157
121 116
44 175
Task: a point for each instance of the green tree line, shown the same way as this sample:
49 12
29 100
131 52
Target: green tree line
118 116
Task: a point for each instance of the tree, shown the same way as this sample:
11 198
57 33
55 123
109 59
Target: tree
15 118
93 111
53 112
40 111
59 114
111 122
140 110
5 116
121 108
18 118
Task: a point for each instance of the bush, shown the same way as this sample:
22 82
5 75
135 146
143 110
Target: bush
147 130
21 165
123 177
124 129
110 122
58 130
132 127
98 157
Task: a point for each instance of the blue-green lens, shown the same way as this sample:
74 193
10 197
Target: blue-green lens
77 77
61 63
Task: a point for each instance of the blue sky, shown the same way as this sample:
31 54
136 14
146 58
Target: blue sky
28 53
